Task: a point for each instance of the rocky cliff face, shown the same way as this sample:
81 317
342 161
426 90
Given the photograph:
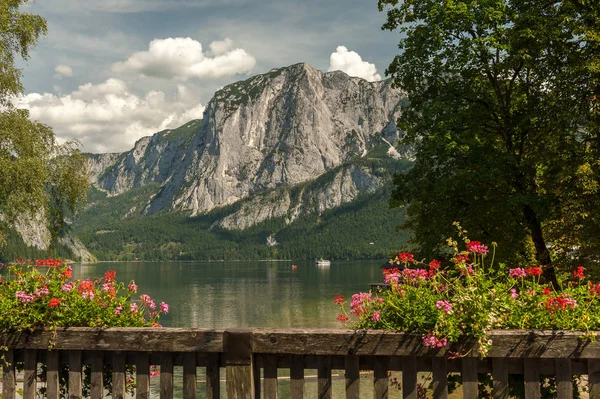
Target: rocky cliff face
280 129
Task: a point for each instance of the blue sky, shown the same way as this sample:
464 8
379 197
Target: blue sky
112 71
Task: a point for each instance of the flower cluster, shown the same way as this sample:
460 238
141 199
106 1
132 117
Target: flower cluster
466 297
41 294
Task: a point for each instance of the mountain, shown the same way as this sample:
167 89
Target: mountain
288 148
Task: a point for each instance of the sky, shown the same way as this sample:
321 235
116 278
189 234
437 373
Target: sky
112 71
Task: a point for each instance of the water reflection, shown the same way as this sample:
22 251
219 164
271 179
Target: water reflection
244 294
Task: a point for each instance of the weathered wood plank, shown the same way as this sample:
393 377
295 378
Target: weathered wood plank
380 377
532 379
134 339
213 381
256 375
564 379
97 375
500 377
8 375
409 377
339 342
30 374
52 368
118 375
142 375
440 378
239 382
166 376
189 376
324 377
75 379
352 377
239 363
594 378
469 378
270 377
507 343
296 376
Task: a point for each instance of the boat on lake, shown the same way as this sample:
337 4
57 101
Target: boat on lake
323 262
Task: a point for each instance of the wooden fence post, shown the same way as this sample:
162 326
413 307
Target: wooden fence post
238 362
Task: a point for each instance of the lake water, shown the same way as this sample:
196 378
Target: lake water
249 294
244 294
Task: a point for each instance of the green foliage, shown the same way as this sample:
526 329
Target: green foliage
43 296
38 178
498 99
469 296
342 233
183 133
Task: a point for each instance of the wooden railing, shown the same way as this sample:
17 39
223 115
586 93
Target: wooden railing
244 352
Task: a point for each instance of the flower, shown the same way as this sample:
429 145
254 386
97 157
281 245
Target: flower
415 275
54 302
42 291
477 248
430 340
444 306
460 258
68 273
24 297
359 302
132 287
88 294
533 271
342 317
376 316
67 287
164 307
513 293
48 262
560 303
338 300
133 308
86 286
579 272
517 272
118 309
434 264
405 257
110 275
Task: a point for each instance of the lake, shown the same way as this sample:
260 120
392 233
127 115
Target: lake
249 294
244 294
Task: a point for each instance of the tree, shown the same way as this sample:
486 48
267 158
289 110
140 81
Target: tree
499 113
38 177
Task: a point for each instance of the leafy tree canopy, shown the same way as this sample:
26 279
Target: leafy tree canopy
503 113
38 177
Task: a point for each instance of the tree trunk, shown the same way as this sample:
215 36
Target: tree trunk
542 255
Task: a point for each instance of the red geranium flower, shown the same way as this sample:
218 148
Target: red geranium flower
405 257
579 272
338 300
86 286
342 317
54 302
533 271
434 264
110 275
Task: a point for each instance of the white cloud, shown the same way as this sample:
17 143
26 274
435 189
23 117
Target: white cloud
219 47
182 58
108 118
352 63
63 70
